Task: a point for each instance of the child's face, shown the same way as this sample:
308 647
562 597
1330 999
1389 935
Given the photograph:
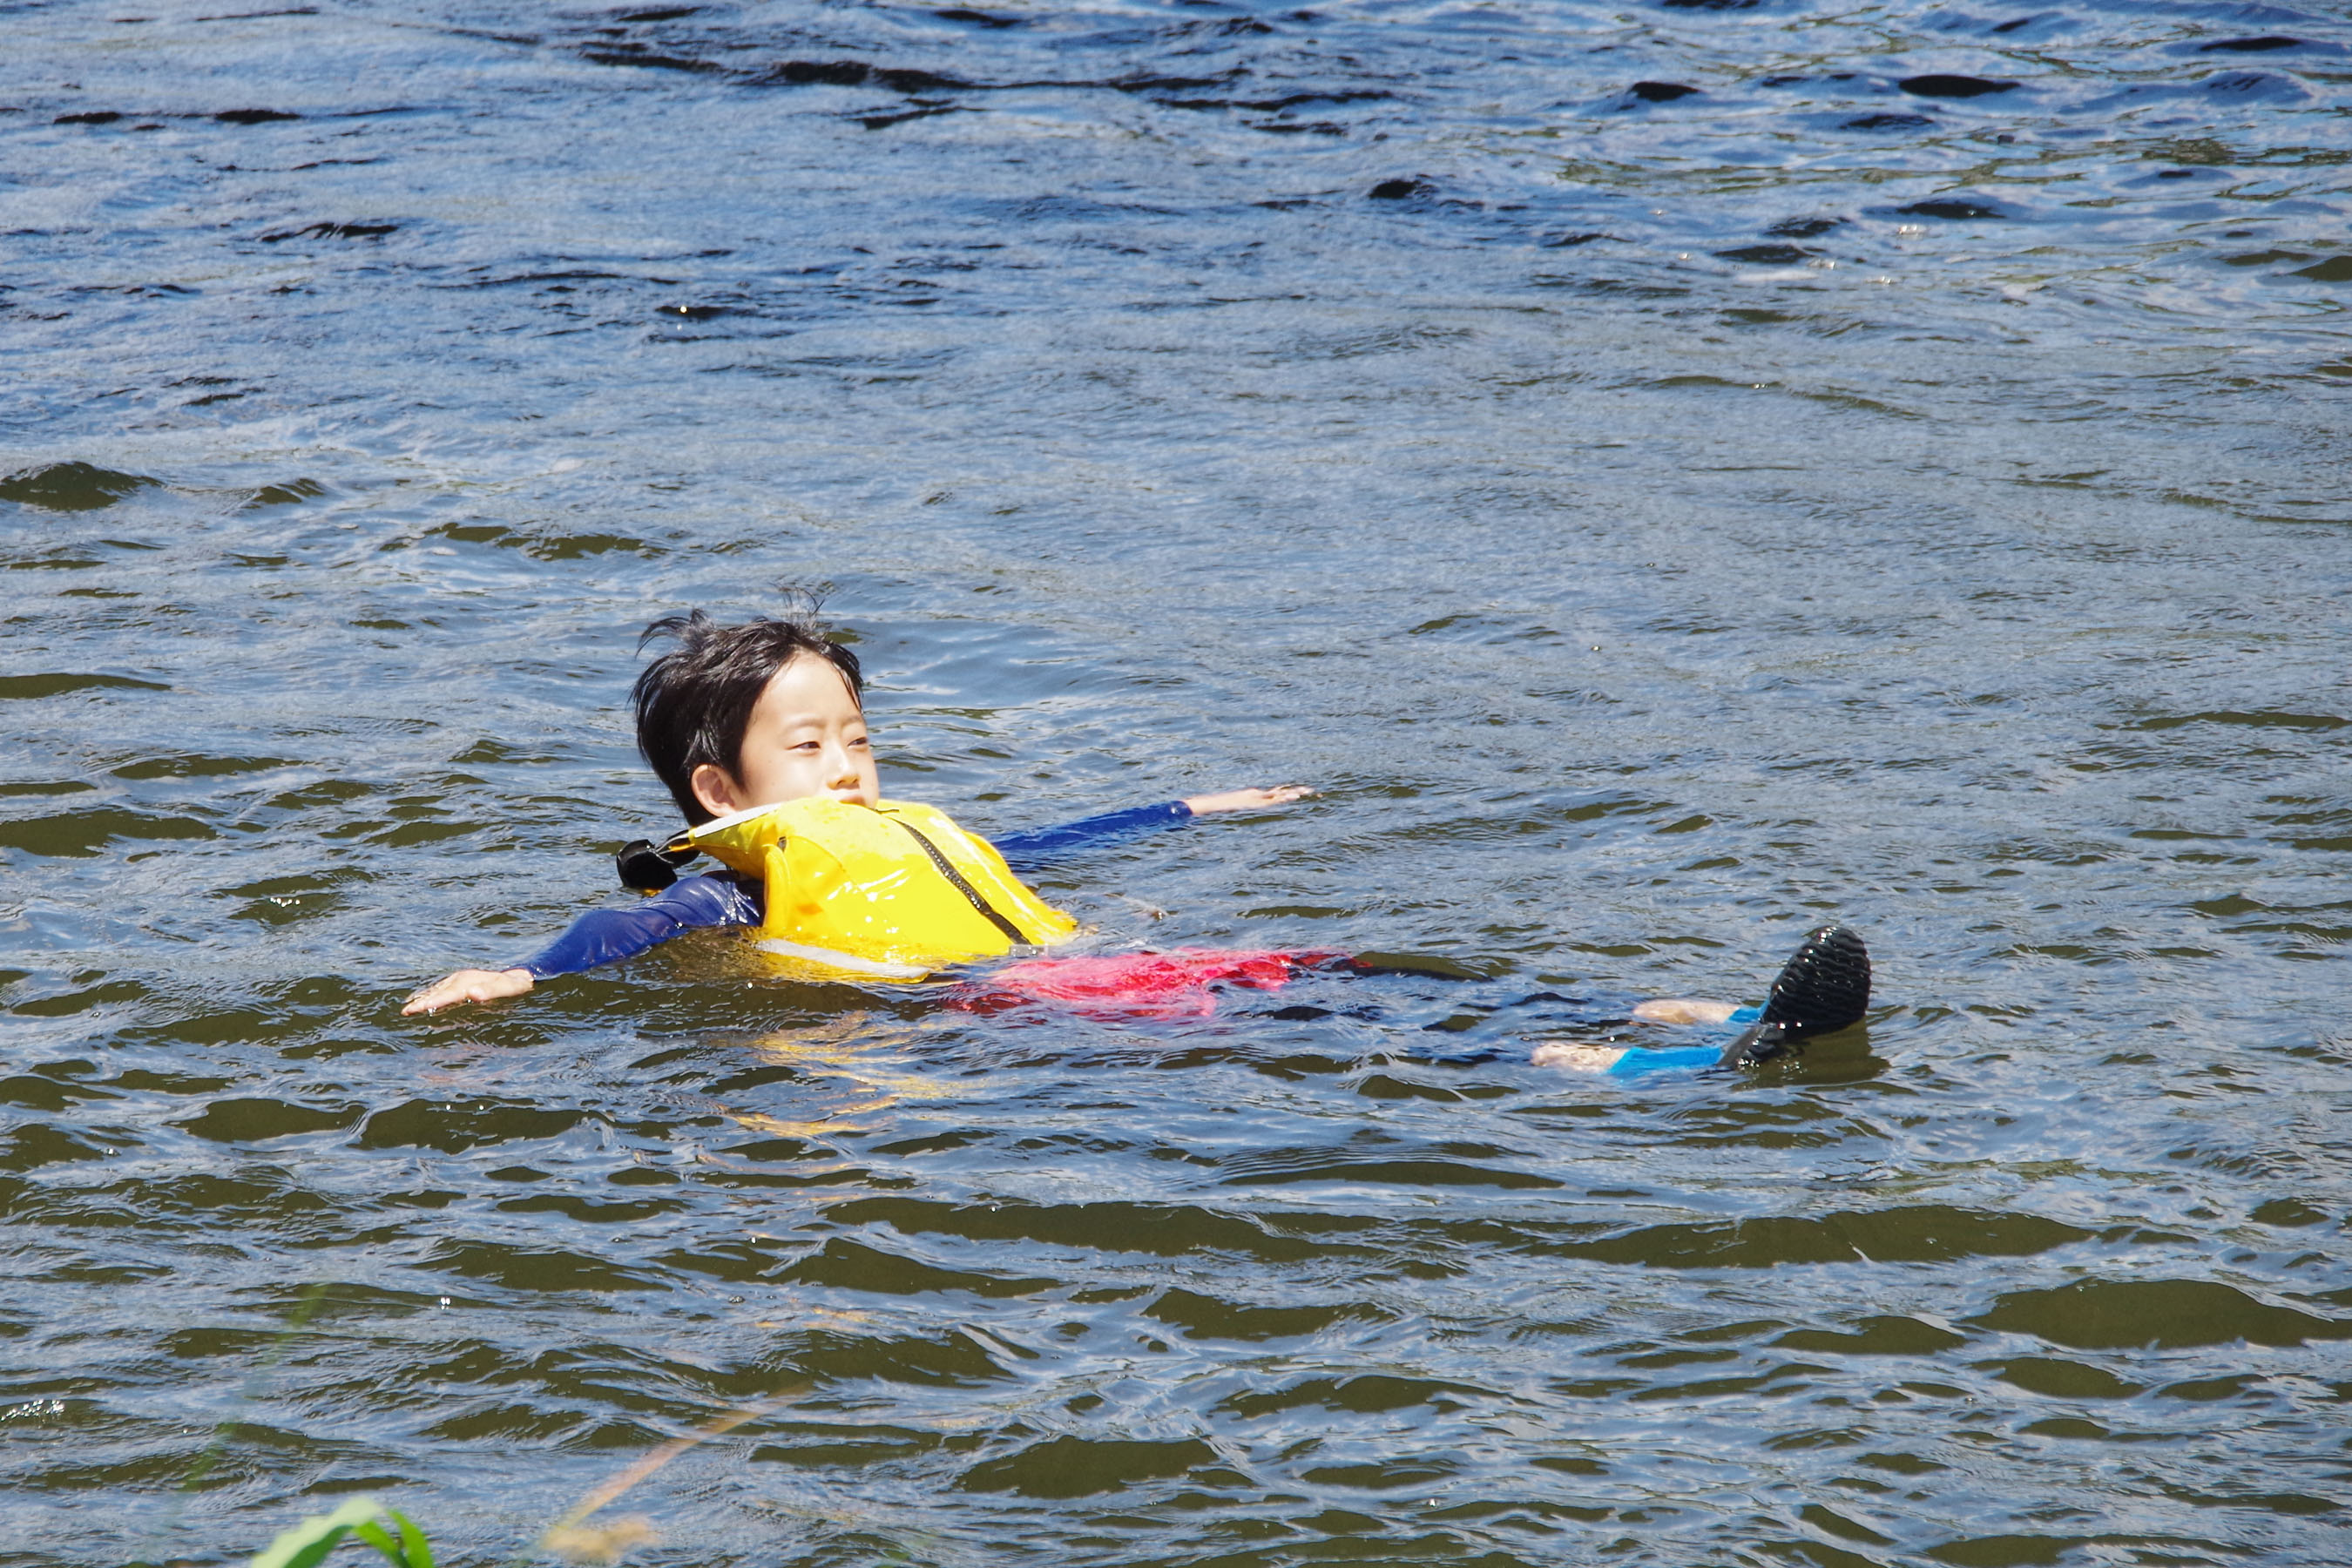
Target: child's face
806 739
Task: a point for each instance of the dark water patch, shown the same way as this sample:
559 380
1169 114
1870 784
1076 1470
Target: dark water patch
739 1261
260 1121
2261 45
2129 1314
1392 1474
198 767
80 834
590 1212
884 121
70 487
512 1267
35 1093
2007 1551
289 494
1288 101
65 1003
2253 85
333 231
59 683
2258 719
1172 1230
1961 87
2291 1213
254 116
1886 121
90 117
1660 91
575 275
1370 1394
455 1126
959 1358
978 18
1071 1467
633 54
1952 209
2063 1379
845 1265
34 1144
1928 1233
1882 1335
1766 255
1197 1316
826 1445
1285 1167
858 73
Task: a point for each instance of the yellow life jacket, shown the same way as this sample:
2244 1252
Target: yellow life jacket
889 891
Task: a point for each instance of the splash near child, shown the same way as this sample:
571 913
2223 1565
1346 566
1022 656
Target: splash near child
758 730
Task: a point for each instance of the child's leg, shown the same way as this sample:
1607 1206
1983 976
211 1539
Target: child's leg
1690 1010
1624 1061
1825 985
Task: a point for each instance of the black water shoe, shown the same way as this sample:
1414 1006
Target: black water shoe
1825 985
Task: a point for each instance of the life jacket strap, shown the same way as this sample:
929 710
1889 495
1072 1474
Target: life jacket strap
956 878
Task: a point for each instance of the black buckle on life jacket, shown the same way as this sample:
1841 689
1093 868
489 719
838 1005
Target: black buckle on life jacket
649 870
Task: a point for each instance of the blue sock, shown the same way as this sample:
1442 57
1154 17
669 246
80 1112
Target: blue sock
1678 1058
1681 1058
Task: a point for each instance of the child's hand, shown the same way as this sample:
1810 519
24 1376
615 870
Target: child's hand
469 985
1247 799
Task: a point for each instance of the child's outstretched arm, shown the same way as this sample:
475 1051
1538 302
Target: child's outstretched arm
1041 847
600 937
1246 799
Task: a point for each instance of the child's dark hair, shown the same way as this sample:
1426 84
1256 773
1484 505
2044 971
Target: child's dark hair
695 702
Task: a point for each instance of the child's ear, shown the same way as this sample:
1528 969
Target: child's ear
716 788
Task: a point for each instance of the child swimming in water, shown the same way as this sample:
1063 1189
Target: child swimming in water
735 719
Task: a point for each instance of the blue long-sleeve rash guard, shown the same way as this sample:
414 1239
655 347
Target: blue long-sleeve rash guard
722 898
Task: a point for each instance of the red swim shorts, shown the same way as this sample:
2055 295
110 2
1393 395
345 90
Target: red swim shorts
1178 984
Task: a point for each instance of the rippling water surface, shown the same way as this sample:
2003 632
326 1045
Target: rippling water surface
1667 471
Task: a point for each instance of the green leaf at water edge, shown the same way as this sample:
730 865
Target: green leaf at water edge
410 1551
308 1543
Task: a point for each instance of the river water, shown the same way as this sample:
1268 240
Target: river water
1665 479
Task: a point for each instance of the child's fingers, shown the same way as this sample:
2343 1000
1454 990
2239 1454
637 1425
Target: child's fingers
433 997
469 985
